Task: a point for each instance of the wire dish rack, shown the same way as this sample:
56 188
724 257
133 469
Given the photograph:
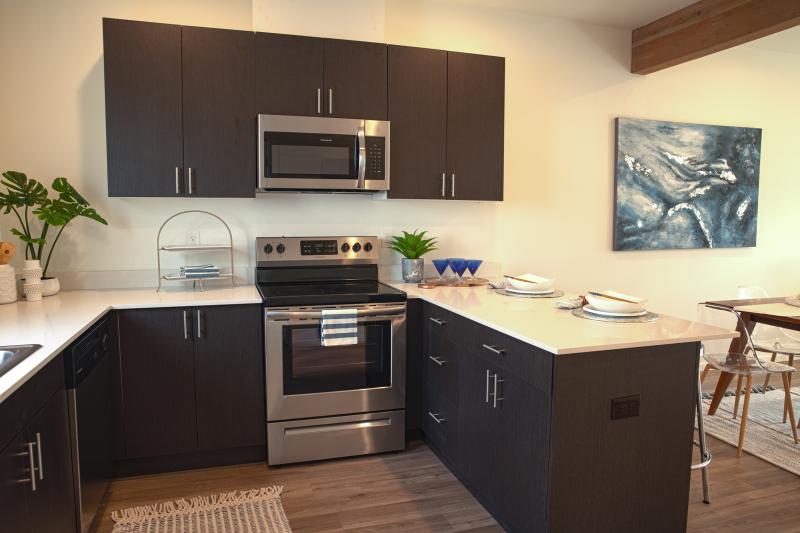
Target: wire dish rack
194 248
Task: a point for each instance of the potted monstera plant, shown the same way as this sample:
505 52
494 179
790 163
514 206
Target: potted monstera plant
412 246
29 201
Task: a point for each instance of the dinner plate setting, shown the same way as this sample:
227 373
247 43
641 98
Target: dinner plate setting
582 312
552 293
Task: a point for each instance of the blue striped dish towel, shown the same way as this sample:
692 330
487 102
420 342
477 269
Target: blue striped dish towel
199 271
339 327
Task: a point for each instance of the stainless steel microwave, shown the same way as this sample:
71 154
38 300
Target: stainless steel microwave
322 154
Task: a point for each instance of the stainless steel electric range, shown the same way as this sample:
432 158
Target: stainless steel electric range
330 401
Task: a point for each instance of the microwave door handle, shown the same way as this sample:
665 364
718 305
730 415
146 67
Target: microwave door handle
361 154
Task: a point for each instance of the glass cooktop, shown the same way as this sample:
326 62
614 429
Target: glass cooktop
328 293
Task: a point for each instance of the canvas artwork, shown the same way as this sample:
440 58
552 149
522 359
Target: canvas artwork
684 185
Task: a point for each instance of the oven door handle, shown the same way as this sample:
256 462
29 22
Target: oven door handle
397 310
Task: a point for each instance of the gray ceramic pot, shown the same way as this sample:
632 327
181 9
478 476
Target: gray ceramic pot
412 270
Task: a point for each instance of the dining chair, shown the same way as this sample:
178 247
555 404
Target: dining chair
745 365
769 339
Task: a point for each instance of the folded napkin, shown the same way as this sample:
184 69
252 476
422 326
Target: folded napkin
570 303
339 327
500 284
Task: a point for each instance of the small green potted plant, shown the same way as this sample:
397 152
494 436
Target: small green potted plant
23 197
412 246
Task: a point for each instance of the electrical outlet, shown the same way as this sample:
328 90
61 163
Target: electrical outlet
193 237
625 407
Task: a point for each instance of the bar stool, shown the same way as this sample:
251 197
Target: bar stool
744 365
705 455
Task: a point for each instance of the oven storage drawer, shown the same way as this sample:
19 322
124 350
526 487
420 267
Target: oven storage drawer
338 436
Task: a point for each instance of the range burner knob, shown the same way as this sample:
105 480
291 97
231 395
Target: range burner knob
268 249
281 248
356 247
368 247
345 248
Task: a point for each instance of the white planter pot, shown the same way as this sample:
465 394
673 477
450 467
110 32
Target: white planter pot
32 284
50 286
8 284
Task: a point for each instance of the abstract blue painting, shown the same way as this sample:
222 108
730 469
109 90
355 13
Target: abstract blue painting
684 185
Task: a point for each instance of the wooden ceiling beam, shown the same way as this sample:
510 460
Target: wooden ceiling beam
706 27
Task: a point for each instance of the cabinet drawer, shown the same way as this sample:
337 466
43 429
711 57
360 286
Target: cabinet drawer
527 362
440 323
441 369
440 425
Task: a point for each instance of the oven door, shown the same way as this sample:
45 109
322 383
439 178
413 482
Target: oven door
306 379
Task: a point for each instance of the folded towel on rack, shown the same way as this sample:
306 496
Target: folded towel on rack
199 275
339 327
199 271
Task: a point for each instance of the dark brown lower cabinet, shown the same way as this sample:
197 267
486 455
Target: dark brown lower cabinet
192 383
36 493
533 438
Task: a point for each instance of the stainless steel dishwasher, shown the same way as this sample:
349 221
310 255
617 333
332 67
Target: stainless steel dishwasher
89 380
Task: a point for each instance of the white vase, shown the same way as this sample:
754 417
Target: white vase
32 288
50 286
8 284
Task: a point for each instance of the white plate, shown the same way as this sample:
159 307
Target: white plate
530 282
599 303
518 291
590 309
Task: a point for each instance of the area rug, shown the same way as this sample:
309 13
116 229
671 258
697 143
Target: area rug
767 437
248 511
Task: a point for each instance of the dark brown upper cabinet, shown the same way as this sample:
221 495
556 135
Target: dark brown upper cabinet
312 76
446 110
144 124
418 115
219 145
180 110
475 107
289 78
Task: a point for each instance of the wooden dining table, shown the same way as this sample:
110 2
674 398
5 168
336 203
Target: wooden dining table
769 311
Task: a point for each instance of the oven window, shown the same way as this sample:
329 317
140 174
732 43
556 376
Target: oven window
305 155
309 367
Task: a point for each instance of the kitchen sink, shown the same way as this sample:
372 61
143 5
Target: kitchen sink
11 356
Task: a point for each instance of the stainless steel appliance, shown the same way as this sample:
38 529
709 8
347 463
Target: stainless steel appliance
330 401
322 154
89 379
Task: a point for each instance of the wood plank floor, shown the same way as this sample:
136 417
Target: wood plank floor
413 491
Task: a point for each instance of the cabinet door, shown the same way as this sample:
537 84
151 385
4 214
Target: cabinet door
477 426
523 465
418 113
51 509
219 141
289 74
229 375
144 143
157 367
15 484
475 106
355 79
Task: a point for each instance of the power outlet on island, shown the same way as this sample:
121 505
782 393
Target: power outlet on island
625 407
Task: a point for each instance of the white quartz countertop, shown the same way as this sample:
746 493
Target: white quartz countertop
537 321
58 320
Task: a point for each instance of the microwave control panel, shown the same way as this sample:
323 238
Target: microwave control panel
376 158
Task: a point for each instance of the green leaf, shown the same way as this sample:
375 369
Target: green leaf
412 245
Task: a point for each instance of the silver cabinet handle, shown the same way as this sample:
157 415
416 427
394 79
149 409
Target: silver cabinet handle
487 386
444 193
495 399
438 361
319 101
330 101
439 419
185 325
39 454
191 180
199 325
437 321
453 185
177 180
31 466
496 351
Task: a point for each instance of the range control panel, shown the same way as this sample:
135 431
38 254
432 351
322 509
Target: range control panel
316 249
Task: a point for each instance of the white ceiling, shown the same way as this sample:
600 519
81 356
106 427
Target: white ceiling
629 14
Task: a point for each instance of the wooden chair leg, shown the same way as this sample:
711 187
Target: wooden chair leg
788 402
788 385
706 370
745 409
766 379
738 393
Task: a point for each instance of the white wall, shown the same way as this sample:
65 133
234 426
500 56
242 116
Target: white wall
565 82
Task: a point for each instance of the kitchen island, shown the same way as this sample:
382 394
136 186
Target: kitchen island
553 422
